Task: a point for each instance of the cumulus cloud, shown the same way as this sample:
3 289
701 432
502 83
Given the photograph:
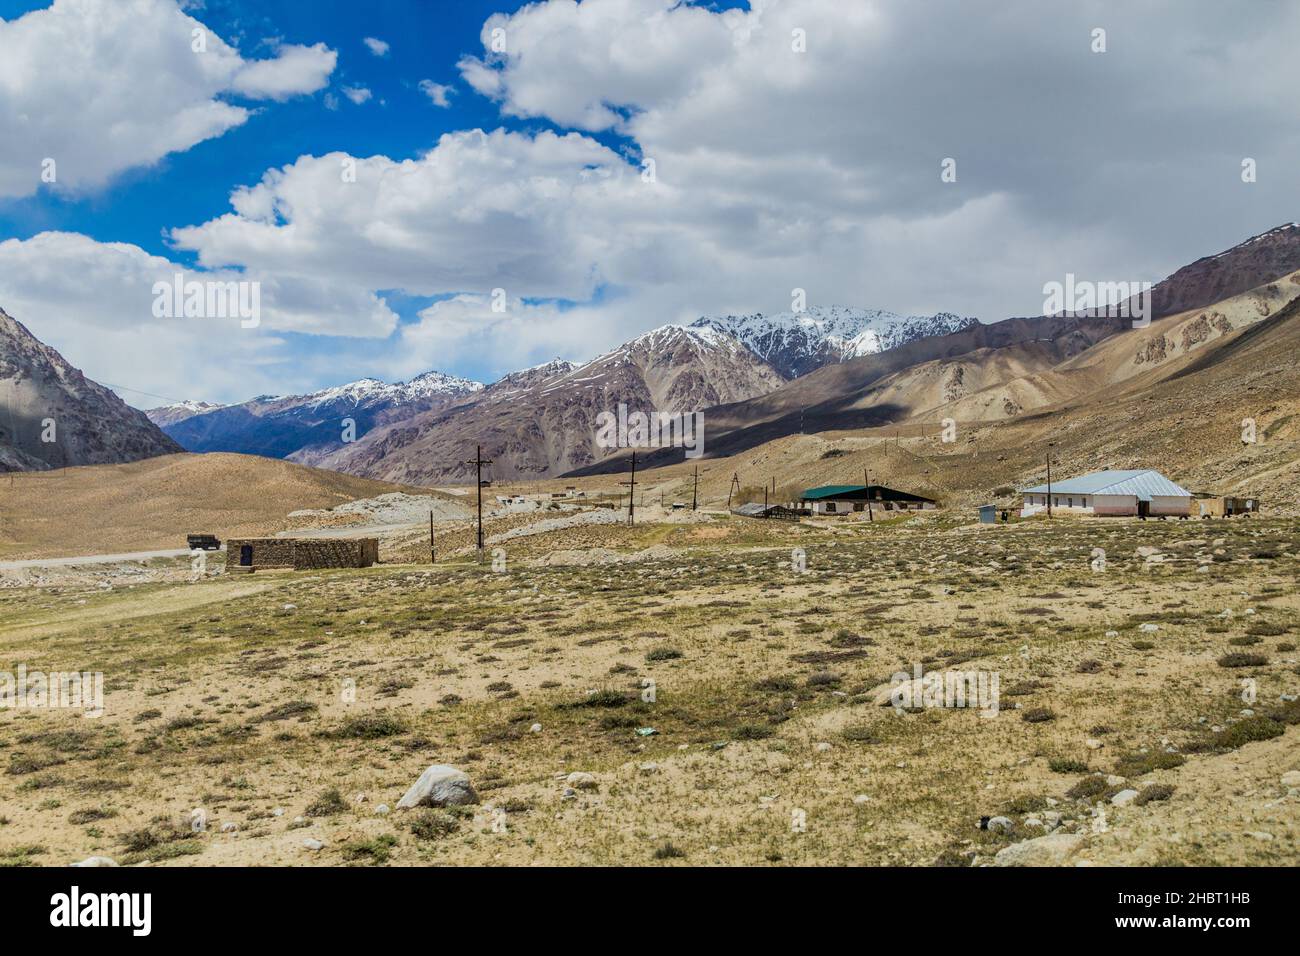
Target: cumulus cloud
479 211
101 86
357 94
437 93
376 46
94 302
294 71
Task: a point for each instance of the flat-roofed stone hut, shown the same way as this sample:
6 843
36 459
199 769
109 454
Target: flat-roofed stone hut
245 555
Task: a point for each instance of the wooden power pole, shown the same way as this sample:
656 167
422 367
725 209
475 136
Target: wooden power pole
695 494
1049 481
433 552
478 463
631 492
735 486
867 477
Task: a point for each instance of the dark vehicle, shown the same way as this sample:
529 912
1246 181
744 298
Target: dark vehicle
203 542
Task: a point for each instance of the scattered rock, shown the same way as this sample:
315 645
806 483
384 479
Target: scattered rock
1054 849
229 827
1092 743
1124 797
1000 825
439 786
1291 778
96 861
581 780
312 844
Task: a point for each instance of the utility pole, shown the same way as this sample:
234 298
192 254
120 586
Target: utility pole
1049 479
695 494
735 486
478 463
631 493
866 474
433 553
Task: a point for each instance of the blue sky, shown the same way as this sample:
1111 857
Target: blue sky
795 146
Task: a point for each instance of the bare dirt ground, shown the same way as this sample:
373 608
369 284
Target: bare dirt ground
722 700
151 505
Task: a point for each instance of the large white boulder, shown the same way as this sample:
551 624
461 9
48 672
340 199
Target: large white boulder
439 786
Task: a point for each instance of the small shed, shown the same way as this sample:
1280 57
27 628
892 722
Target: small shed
988 514
1205 505
758 510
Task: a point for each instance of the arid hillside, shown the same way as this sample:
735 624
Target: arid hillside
153 504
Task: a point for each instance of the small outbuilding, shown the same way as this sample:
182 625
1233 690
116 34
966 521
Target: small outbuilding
246 555
846 499
759 510
1206 505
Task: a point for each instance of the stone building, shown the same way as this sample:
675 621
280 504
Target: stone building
245 555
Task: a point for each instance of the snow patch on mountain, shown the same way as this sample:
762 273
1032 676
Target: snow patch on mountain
798 342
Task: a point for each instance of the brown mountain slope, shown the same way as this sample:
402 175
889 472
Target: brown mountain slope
153 504
52 416
543 422
1008 368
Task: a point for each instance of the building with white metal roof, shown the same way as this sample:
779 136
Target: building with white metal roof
1140 492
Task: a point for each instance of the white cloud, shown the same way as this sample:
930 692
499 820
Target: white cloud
296 70
93 301
357 94
375 46
110 284
101 86
479 211
439 94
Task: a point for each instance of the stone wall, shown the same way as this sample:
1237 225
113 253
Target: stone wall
335 553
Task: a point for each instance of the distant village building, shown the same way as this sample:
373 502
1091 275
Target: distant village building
846 499
246 555
1143 493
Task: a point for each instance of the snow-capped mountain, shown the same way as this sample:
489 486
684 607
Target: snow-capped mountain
795 343
542 421
368 392
179 411
307 427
